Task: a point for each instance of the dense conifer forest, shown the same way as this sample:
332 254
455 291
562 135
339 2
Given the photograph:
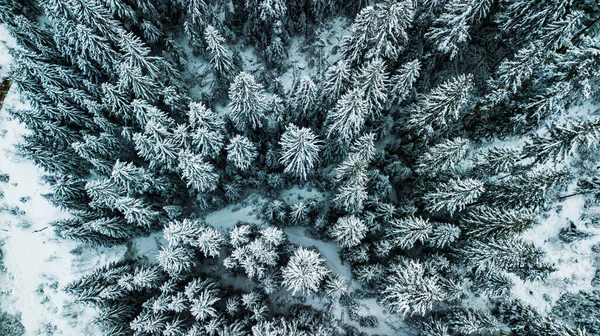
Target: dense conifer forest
411 166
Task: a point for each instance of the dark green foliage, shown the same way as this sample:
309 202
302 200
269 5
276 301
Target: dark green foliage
11 324
525 320
580 309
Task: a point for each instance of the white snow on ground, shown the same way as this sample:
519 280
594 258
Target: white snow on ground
332 35
573 261
226 218
39 264
295 194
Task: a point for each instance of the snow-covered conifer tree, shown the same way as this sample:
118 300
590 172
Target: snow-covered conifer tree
304 99
564 139
348 117
510 254
299 151
304 272
206 130
241 152
488 221
175 260
336 287
440 109
198 174
451 30
379 31
351 197
407 231
409 290
337 80
499 159
454 195
443 156
248 103
443 235
403 81
220 57
372 81
348 231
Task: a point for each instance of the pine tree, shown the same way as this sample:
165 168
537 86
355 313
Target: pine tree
499 159
336 287
206 130
248 102
241 152
443 156
299 151
175 260
443 235
530 190
348 117
487 221
137 212
272 10
304 99
409 289
438 110
451 29
372 81
337 80
379 31
454 195
510 254
511 74
130 178
198 174
220 56
348 231
564 140
304 272
351 197
407 231
403 81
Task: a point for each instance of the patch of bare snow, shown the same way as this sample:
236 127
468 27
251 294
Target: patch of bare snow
225 219
574 262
